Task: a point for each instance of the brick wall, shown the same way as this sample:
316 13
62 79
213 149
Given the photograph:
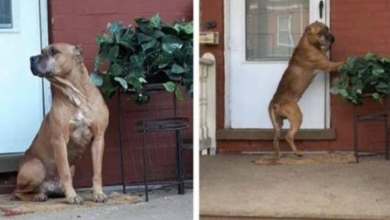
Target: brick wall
359 26
78 22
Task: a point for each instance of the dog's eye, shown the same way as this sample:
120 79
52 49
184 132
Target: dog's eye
52 51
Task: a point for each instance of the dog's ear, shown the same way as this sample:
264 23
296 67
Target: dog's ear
308 30
78 52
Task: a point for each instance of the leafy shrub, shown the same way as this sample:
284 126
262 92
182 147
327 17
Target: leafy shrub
369 74
152 52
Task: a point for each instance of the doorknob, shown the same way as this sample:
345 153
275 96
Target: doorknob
321 6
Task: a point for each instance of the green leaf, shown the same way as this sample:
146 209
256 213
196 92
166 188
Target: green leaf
115 69
377 70
104 38
144 26
107 89
113 53
149 45
375 95
177 69
126 39
343 92
158 34
96 78
143 38
98 60
137 60
382 85
185 27
169 86
115 28
122 82
142 80
179 94
164 60
155 21
171 44
369 56
334 90
169 30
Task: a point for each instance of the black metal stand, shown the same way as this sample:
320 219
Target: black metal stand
157 125
378 117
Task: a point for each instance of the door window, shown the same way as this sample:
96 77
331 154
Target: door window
5 14
273 28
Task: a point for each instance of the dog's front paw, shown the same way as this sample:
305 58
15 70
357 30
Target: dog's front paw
75 200
298 154
41 197
100 197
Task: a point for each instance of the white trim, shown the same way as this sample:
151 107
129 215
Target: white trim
227 119
44 24
15 13
327 77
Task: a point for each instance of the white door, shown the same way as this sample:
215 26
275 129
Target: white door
263 34
21 96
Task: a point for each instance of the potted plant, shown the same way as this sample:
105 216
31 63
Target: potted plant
369 74
151 52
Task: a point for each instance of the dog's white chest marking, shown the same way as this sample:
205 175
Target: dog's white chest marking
81 126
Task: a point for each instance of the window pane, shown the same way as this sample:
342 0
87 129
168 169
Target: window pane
273 28
5 14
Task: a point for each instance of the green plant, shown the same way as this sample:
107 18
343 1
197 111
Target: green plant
369 74
152 52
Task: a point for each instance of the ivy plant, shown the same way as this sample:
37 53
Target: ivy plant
369 74
151 52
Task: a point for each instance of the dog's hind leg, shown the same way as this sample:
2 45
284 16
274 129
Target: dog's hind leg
277 123
30 177
293 114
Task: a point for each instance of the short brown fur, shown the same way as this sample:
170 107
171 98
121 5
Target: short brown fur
307 60
77 120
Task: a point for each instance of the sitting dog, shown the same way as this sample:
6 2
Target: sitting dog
77 119
308 58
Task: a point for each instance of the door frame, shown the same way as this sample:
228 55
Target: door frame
9 162
228 74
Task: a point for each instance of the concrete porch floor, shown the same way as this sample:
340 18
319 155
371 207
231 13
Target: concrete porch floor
233 186
163 204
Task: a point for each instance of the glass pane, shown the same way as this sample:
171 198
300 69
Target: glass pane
274 27
5 14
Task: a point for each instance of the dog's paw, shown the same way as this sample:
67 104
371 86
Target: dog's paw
41 197
75 200
100 197
298 154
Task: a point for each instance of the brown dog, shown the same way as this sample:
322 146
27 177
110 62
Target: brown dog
77 119
306 61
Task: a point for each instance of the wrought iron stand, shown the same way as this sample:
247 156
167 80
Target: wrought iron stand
174 123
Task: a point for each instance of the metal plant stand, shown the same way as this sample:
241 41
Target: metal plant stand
146 126
377 117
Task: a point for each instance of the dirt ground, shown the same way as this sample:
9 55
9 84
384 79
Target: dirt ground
163 204
234 186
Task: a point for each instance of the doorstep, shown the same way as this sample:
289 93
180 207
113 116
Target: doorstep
268 134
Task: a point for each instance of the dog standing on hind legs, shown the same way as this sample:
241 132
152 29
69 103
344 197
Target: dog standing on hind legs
308 59
77 120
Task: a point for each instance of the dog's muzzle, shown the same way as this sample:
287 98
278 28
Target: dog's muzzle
330 38
34 67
